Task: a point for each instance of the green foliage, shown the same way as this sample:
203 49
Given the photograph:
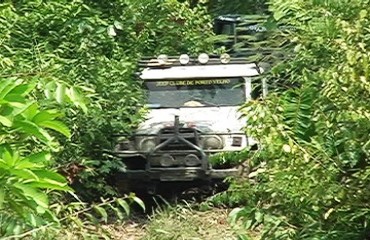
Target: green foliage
83 220
218 7
67 54
230 158
183 221
25 145
86 219
84 53
310 178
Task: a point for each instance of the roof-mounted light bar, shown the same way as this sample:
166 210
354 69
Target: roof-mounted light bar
203 58
163 61
184 59
225 58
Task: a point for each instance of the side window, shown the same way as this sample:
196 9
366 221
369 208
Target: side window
226 28
257 91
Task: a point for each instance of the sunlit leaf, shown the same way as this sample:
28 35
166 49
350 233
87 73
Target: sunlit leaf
124 205
77 99
50 186
5 87
111 31
57 126
101 211
42 116
48 174
24 174
33 194
40 157
22 89
118 212
2 196
234 215
5 121
29 110
32 129
60 92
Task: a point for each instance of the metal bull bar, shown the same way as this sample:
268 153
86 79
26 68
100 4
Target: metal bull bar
178 138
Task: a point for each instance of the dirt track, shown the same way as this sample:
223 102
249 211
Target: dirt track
177 223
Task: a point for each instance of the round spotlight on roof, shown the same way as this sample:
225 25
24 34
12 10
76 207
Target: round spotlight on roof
184 59
162 59
225 58
203 58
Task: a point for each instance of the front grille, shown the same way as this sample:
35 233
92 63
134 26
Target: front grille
190 134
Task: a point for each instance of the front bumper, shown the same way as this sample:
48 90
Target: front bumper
180 174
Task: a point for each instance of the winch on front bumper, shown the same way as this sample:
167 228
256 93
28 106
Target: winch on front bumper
175 153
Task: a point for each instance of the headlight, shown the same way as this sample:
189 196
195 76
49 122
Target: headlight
192 160
213 142
147 145
122 146
167 160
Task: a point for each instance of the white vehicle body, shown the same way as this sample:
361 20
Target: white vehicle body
198 128
221 119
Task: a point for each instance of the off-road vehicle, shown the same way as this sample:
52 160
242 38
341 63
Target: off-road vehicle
193 113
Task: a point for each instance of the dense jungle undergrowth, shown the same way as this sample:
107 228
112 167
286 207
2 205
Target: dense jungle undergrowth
66 85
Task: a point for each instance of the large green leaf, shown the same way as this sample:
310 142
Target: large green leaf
26 110
43 116
32 129
32 194
101 211
14 98
47 174
56 126
9 158
5 121
25 163
5 87
41 157
50 186
24 174
22 89
139 202
77 98
49 88
123 203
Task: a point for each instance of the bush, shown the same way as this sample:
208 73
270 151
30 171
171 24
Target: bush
310 178
85 53
26 178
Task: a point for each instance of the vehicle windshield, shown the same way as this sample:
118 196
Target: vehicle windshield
195 92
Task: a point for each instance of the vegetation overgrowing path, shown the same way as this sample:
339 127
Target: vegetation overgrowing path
178 222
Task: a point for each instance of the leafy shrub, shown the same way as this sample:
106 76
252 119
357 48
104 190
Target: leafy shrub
92 47
310 178
25 148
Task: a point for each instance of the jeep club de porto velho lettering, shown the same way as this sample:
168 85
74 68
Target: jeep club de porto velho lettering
193 113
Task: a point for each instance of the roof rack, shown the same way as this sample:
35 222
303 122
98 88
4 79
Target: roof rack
171 61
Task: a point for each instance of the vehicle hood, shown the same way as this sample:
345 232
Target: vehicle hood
206 119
